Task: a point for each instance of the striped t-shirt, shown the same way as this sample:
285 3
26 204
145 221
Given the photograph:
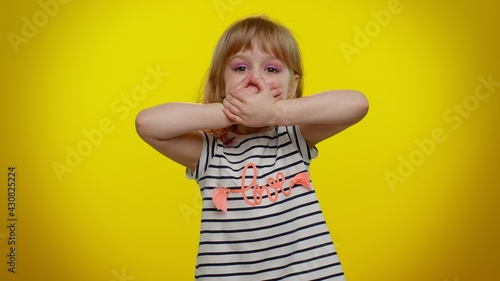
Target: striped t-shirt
273 228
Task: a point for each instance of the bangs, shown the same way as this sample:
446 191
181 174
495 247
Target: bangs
269 37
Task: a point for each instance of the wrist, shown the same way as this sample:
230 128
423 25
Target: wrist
279 115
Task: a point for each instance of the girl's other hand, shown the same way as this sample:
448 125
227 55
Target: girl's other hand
251 102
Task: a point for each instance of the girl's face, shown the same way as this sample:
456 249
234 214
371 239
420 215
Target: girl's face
261 65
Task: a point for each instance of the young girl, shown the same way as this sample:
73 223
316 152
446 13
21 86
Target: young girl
249 146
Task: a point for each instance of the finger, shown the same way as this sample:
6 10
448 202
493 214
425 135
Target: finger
236 95
276 92
230 115
228 97
230 106
272 86
245 82
252 89
227 104
260 83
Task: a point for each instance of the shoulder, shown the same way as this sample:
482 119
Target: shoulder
307 151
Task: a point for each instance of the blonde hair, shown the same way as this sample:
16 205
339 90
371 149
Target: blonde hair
270 36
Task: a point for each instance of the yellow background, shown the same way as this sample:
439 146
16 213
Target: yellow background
124 212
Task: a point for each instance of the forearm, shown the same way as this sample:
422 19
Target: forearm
329 108
170 120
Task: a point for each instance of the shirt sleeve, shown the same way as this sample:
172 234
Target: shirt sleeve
209 144
308 153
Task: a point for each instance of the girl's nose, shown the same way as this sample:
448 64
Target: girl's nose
256 73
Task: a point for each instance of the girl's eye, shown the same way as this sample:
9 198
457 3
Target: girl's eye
240 68
272 69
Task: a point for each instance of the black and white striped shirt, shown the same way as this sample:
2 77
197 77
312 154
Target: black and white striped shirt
273 229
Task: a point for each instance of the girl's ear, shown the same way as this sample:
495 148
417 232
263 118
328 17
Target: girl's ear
292 92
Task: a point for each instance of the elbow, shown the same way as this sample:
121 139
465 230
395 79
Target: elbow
142 124
359 105
362 105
